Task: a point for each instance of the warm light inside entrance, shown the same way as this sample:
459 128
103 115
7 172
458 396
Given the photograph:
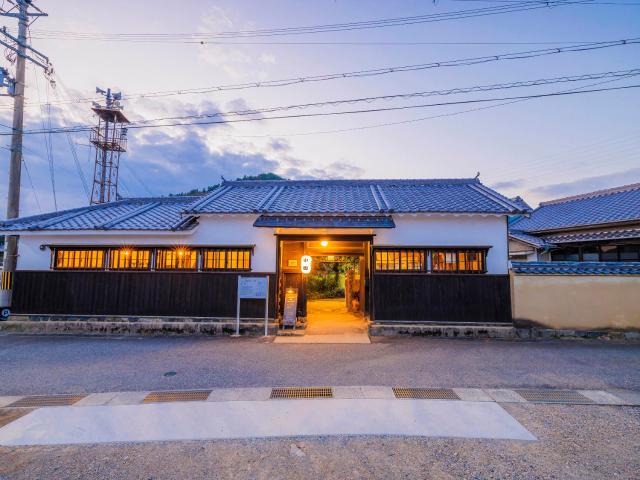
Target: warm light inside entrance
324 243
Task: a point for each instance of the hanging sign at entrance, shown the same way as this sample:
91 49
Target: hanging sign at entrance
253 287
290 307
305 264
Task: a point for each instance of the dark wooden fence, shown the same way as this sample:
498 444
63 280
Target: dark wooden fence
197 294
441 298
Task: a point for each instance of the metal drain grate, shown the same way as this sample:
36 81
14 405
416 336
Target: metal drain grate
553 396
427 393
47 400
302 392
177 396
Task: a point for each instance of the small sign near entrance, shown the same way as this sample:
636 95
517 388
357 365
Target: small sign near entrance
305 264
290 307
253 287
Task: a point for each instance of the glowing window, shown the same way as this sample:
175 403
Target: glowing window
176 259
399 260
78 259
129 259
458 261
226 259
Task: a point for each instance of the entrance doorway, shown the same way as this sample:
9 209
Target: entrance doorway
332 296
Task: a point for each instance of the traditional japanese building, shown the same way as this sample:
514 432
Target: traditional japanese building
418 250
599 226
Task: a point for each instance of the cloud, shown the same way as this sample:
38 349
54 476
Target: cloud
587 184
268 58
509 184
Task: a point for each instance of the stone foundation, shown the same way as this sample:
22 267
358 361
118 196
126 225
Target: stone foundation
49 324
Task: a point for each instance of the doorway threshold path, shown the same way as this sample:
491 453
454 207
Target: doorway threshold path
329 321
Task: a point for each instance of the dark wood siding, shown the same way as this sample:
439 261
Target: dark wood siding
197 294
441 298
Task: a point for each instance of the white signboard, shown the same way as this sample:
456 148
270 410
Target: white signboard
305 264
253 287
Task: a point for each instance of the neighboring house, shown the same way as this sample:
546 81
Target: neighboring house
429 250
598 226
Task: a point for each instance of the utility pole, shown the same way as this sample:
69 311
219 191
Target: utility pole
19 10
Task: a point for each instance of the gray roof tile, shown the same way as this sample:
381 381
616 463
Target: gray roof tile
576 268
620 204
161 215
357 197
284 197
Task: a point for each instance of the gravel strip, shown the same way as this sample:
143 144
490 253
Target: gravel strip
575 442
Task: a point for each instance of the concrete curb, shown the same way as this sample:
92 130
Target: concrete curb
500 395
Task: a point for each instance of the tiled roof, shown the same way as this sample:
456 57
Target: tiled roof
279 197
617 234
576 268
620 204
529 239
355 197
131 214
324 221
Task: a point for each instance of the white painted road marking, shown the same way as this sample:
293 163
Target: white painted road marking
259 419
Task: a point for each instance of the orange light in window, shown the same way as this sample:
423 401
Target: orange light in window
324 243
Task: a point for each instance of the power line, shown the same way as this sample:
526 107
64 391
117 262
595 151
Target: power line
450 91
33 190
412 120
339 113
312 29
379 71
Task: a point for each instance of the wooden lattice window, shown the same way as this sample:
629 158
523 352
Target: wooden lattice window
226 259
130 259
176 259
78 259
458 261
400 260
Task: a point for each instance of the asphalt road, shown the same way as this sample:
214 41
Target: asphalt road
76 364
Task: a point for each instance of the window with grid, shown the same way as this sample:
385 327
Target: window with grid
399 260
176 259
458 261
226 259
130 259
78 259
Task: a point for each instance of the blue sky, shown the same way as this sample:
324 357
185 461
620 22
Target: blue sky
539 149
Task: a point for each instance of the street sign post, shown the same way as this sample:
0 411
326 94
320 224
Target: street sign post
253 288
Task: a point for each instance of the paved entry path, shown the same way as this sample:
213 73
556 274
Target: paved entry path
260 419
329 321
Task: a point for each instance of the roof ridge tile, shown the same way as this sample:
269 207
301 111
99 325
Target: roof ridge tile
596 193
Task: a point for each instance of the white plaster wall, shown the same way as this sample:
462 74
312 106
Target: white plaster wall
451 230
228 231
411 230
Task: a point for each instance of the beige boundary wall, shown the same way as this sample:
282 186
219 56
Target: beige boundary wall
578 302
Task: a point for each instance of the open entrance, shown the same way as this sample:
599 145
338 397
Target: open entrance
332 293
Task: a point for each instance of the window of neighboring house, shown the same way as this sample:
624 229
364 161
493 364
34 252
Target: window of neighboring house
629 253
78 259
130 259
226 259
608 253
568 254
179 258
400 260
458 261
590 253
